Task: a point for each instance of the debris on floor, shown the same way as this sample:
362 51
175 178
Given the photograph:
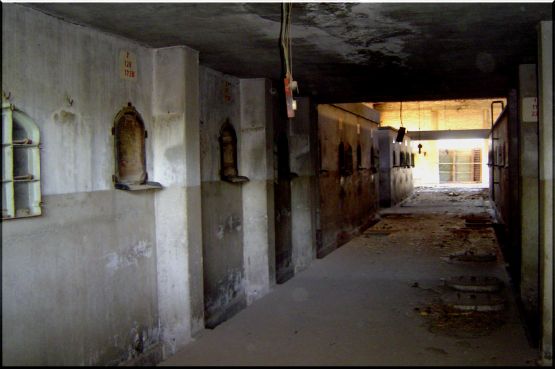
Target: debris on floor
473 255
447 320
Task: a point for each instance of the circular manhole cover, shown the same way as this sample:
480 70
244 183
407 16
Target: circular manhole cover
474 301
472 255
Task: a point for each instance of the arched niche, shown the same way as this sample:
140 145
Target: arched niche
373 158
345 161
359 157
341 158
130 154
228 154
21 182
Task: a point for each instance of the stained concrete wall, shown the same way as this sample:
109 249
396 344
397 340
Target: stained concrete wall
348 204
396 181
547 206
256 162
222 202
44 62
284 267
175 140
237 218
79 282
529 170
304 187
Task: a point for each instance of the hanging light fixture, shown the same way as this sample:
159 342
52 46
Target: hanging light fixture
402 129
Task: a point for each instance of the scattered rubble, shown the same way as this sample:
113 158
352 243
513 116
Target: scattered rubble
463 306
447 320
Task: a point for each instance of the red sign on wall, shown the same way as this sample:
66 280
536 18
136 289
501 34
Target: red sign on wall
128 65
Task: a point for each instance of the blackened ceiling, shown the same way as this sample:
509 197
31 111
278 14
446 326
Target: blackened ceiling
341 51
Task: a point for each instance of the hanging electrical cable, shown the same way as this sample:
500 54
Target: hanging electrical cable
401 113
419 143
402 129
287 52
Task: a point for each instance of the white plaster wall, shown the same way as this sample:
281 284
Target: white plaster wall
257 164
222 202
121 261
217 106
78 282
176 151
44 61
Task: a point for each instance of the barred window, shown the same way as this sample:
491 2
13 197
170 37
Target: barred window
21 187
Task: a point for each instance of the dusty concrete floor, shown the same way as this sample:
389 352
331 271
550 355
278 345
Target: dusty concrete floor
374 301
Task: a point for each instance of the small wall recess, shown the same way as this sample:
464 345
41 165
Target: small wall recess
228 154
130 155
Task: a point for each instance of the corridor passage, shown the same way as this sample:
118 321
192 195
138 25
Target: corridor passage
377 300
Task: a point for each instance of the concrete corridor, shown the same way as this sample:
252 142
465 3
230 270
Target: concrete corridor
375 300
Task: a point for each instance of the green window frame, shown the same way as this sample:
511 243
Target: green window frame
21 180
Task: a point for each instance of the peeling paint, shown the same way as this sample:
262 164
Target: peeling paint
65 117
232 224
115 261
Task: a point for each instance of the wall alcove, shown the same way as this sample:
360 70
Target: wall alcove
130 154
228 155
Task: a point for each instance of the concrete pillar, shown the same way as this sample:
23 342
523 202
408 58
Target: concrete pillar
256 162
546 155
303 187
528 156
175 141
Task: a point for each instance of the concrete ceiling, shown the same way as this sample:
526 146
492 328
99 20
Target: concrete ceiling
341 51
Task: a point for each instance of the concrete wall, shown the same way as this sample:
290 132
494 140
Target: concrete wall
222 202
79 283
528 155
175 140
257 164
237 218
105 276
347 203
396 182
304 187
546 155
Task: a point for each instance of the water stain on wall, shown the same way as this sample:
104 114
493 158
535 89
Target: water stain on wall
132 256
